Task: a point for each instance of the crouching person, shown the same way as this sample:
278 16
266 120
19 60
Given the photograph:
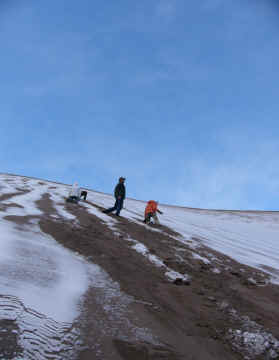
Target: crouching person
74 194
151 212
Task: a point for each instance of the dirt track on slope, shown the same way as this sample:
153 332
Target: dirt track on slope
188 321
191 322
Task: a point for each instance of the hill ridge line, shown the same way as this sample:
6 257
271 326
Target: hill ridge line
169 205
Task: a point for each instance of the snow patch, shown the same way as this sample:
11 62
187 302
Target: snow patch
251 340
216 271
203 259
170 274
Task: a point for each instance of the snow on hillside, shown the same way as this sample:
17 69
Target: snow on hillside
42 282
248 237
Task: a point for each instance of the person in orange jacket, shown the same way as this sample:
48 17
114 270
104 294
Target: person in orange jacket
151 212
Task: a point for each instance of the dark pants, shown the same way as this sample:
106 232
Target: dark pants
148 217
73 199
117 206
83 194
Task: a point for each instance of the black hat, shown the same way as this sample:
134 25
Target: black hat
122 178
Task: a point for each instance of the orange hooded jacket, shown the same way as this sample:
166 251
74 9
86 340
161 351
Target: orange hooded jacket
151 207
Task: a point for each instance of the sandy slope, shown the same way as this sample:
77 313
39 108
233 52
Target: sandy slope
76 283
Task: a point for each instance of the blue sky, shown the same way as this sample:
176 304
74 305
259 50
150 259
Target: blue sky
181 97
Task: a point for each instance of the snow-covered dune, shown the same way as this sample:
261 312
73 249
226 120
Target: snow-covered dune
250 237
42 283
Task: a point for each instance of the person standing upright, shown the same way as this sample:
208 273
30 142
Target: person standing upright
119 194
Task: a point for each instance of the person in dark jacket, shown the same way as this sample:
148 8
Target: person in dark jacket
119 194
83 195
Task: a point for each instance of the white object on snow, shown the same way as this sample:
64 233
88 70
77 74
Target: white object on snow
75 190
